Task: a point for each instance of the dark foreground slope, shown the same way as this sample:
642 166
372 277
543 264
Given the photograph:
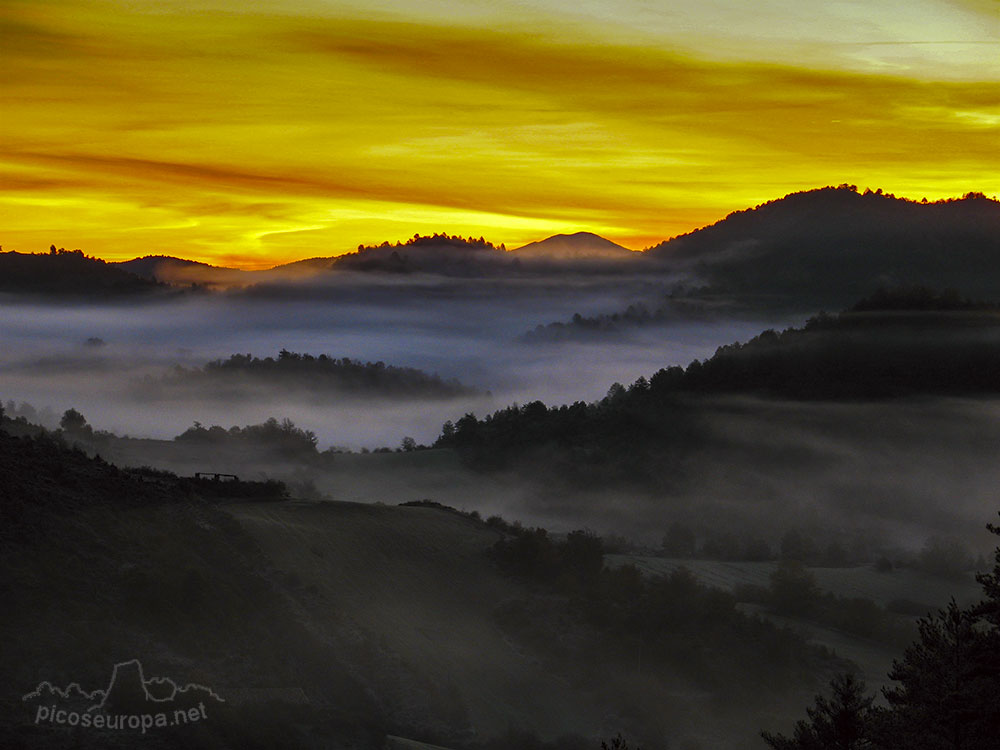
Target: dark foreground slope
102 566
466 631
335 624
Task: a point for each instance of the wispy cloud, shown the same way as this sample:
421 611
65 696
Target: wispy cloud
172 123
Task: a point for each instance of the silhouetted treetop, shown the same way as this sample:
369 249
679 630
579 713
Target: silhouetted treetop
844 721
317 374
437 253
69 273
438 239
283 438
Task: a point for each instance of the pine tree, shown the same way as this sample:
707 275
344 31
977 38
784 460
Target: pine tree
990 607
842 722
947 696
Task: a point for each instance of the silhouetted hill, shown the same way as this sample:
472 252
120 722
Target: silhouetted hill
580 245
40 474
438 253
906 342
826 247
345 621
62 273
179 271
621 324
308 266
304 373
148 266
895 343
123 559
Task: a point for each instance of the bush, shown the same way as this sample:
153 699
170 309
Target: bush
794 590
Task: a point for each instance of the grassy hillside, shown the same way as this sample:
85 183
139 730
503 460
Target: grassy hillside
860 580
903 593
455 647
415 590
335 624
102 565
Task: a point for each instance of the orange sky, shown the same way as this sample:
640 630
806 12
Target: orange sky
252 134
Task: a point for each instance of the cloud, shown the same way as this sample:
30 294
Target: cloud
155 130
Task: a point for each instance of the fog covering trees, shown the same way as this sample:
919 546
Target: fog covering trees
282 437
896 343
945 695
320 374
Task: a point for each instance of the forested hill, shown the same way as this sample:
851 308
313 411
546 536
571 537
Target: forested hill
894 344
890 345
835 244
315 374
70 274
438 253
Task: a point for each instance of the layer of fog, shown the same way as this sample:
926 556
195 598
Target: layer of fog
895 471
878 477
455 328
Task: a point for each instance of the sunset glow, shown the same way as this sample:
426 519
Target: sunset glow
254 134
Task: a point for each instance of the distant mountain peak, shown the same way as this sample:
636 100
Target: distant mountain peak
578 245
153 259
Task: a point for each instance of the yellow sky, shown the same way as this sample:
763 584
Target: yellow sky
256 133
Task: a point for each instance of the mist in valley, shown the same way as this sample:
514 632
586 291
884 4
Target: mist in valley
94 357
499 376
893 471
881 502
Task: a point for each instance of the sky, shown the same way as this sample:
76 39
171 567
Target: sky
251 134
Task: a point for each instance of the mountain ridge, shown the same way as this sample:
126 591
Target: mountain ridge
836 244
819 248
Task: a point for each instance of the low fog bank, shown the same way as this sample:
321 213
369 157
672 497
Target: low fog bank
893 473
93 358
840 483
872 478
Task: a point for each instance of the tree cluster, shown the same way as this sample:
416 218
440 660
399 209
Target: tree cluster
437 253
636 315
632 436
322 374
677 624
283 438
437 239
895 344
65 273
